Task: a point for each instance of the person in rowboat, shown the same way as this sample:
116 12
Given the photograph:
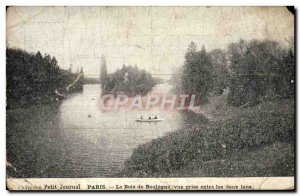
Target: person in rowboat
141 117
155 117
149 118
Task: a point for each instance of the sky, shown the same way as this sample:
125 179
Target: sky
153 38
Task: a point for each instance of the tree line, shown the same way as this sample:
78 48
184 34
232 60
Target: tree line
33 78
252 71
128 79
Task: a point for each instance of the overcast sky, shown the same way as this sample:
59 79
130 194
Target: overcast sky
153 38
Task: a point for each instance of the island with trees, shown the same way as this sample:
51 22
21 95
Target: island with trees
128 80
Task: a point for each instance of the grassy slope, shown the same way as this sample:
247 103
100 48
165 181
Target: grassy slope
255 141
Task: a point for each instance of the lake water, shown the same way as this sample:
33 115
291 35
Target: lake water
77 139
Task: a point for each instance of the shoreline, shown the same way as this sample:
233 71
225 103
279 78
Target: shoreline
248 131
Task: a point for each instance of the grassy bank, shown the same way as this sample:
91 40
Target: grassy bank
30 145
256 141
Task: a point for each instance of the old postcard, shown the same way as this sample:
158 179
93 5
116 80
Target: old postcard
150 98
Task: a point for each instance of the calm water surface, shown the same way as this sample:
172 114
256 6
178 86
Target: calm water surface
77 139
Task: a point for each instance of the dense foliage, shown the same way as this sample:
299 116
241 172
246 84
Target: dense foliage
197 72
220 71
208 143
260 74
33 78
253 71
128 79
260 70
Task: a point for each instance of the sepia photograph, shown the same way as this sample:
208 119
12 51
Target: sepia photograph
152 98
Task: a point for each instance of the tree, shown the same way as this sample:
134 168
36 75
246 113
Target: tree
103 72
139 81
33 79
191 51
197 72
220 70
256 68
287 75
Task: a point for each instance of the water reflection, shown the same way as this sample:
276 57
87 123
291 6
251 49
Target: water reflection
77 139
99 141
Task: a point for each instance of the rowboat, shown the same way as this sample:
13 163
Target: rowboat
149 120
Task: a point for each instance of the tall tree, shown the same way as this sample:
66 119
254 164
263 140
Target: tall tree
220 70
103 72
197 72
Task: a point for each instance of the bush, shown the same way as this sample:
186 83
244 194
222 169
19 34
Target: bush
207 142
